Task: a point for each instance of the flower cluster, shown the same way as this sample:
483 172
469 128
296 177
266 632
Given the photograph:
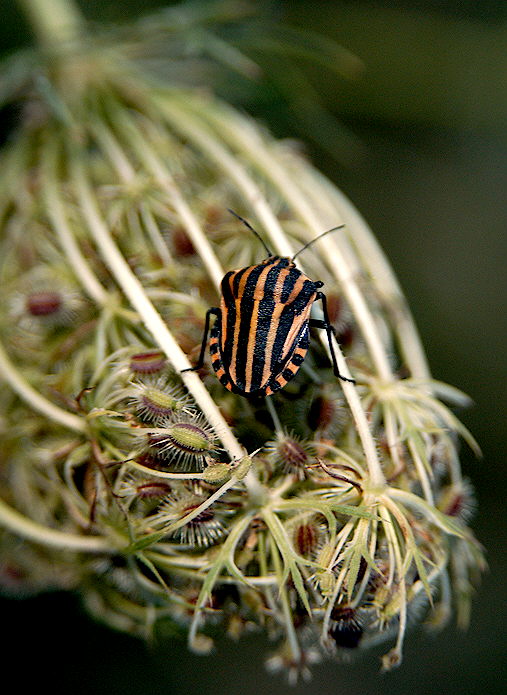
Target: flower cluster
328 515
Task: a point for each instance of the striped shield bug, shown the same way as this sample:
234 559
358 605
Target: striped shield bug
261 332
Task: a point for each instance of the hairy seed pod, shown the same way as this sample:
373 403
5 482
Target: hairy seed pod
148 363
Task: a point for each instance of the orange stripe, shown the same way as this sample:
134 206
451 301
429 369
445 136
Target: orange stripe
298 286
225 313
280 280
258 294
270 340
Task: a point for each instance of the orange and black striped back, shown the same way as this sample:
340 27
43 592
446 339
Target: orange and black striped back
263 335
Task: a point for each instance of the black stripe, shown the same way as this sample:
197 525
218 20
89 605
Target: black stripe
298 359
284 325
264 325
292 277
228 298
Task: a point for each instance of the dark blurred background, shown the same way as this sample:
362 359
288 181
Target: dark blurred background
417 139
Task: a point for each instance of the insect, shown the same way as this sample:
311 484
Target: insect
261 332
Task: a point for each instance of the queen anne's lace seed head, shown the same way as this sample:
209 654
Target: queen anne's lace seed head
184 442
340 501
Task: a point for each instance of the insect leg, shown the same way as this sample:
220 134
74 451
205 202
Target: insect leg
326 325
213 311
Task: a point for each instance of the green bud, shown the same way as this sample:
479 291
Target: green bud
217 473
243 467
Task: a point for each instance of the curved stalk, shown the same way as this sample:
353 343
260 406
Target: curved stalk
34 399
56 214
22 526
55 22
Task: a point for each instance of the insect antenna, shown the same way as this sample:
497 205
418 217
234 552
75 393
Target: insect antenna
247 224
328 231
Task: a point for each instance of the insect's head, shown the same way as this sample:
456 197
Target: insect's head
281 261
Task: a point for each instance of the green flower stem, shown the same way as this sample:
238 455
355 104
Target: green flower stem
394 656
164 474
54 22
34 399
20 525
56 214
156 238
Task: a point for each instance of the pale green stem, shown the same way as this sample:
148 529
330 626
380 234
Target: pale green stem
158 241
393 542
164 474
136 294
54 22
20 525
331 602
422 473
57 217
112 149
393 439
274 416
34 399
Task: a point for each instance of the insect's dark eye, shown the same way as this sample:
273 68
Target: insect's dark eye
318 283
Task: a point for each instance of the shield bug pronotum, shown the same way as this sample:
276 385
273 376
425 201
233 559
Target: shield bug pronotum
261 331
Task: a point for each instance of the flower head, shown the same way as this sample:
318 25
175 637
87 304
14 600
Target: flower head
334 510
